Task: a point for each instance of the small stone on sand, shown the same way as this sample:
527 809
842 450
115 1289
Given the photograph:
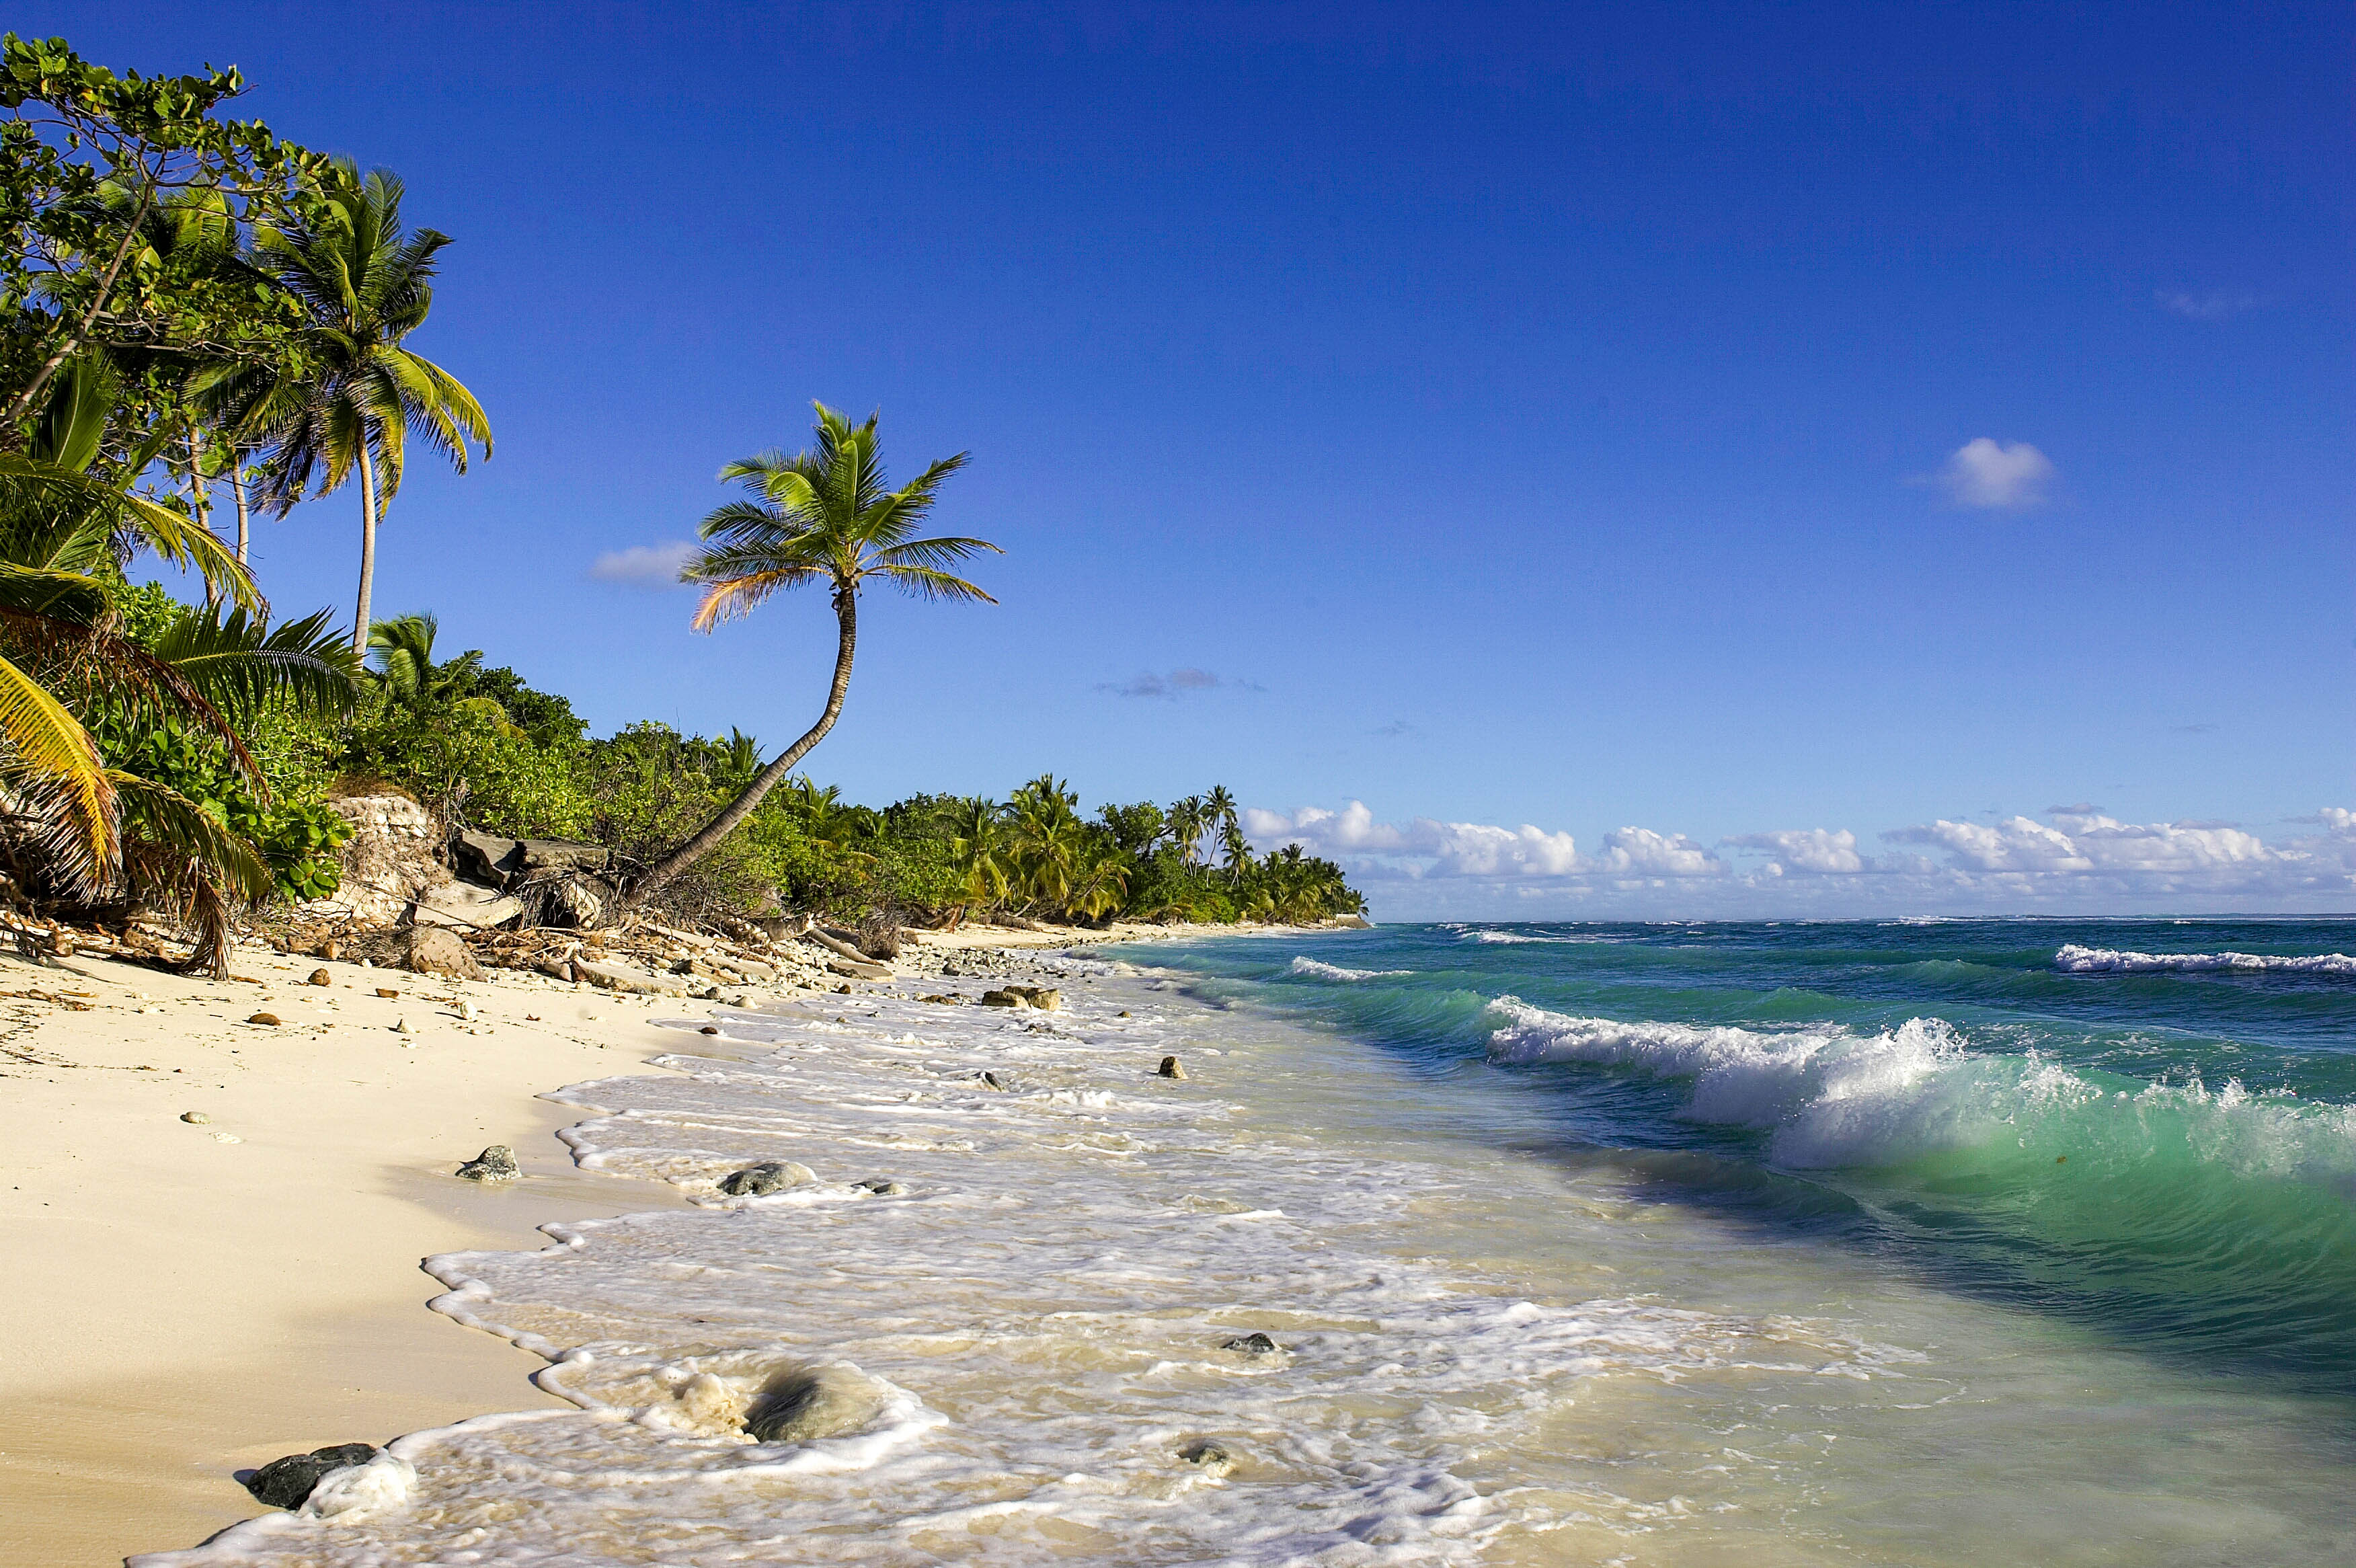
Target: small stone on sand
268 1018
496 1163
195 1117
321 977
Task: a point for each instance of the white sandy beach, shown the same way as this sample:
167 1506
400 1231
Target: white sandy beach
192 1299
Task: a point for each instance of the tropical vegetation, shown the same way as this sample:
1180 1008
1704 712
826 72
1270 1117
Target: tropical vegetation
189 303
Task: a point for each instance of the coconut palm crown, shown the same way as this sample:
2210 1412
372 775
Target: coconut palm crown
364 286
826 515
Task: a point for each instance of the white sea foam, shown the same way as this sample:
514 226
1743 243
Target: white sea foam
1038 1321
2075 960
1310 968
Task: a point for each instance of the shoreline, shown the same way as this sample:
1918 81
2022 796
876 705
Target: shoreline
213 1295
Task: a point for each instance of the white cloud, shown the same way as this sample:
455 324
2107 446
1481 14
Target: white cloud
1640 852
2076 858
644 565
2017 843
1475 849
1986 473
2214 306
1811 852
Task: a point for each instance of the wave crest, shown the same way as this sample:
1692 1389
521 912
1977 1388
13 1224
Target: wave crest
2074 959
1310 969
1831 1097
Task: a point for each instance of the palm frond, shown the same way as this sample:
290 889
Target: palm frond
242 664
49 745
925 583
739 597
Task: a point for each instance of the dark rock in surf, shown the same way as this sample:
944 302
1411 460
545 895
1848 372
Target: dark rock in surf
881 1187
285 1483
1171 1067
1211 1458
769 1176
801 1405
1252 1345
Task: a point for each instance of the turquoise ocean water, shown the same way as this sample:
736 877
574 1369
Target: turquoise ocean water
2147 1129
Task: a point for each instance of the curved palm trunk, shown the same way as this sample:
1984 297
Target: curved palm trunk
368 551
664 871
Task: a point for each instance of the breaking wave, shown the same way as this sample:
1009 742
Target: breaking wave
2074 959
1828 1097
1310 969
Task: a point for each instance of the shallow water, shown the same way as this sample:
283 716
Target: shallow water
1662 1245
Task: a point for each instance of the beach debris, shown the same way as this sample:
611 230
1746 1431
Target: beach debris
989 1080
881 1186
496 1163
810 1402
1252 1345
194 1118
709 1029
320 977
464 1009
1209 1457
386 990
437 950
225 1138
1172 1068
400 1026
331 949
614 977
769 1176
288 1483
269 1019
841 990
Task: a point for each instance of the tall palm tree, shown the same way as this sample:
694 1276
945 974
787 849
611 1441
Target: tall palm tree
1219 816
1187 820
821 515
365 287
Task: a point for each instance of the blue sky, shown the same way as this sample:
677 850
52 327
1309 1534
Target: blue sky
1717 420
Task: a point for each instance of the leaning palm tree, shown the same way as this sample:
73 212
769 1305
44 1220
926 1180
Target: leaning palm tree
364 286
823 516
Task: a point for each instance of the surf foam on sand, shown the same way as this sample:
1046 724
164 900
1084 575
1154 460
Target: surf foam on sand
1052 1321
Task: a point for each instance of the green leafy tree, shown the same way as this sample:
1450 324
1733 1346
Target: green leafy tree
89 156
824 516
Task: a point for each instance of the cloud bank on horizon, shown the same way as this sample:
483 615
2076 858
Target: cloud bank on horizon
2074 859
